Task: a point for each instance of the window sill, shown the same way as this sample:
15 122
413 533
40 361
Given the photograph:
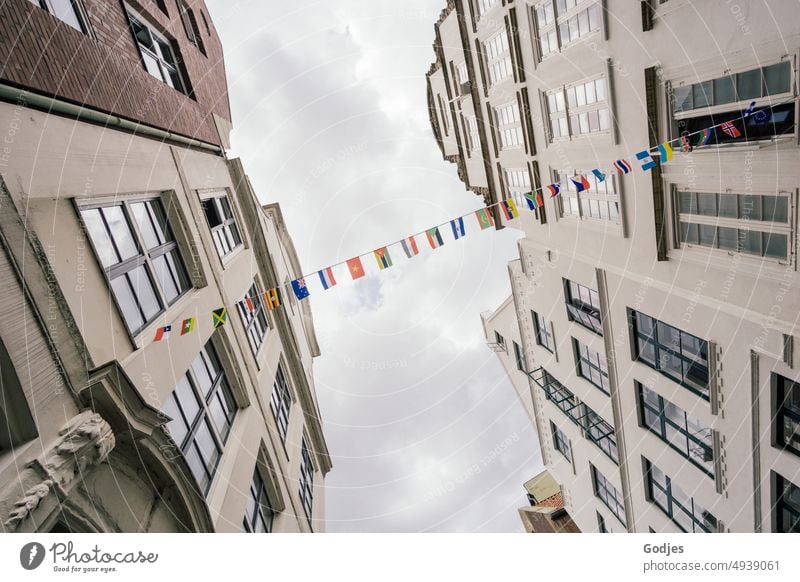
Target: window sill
227 259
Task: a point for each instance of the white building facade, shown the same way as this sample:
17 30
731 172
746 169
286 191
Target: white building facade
657 311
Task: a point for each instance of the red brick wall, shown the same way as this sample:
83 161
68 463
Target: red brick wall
104 71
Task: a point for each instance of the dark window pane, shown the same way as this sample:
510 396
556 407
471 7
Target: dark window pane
177 426
701 94
212 212
728 205
707 204
708 235
750 241
683 98
778 78
776 208
724 90
775 245
689 233
187 399
750 206
728 238
146 227
688 202
166 277
749 84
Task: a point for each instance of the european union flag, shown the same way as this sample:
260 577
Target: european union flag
300 289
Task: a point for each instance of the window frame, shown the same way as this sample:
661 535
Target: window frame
584 354
281 402
557 19
145 258
519 357
306 480
190 25
779 505
262 507
664 420
666 489
219 388
501 61
657 348
249 319
227 224
780 413
136 17
561 442
569 193
78 9
577 308
560 97
611 497
540 329
510 135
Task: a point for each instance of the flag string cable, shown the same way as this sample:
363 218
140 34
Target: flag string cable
533 193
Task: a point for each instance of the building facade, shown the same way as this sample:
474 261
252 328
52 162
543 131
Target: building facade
657 311
122 215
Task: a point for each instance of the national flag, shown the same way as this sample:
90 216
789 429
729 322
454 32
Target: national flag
485 218
326 278
761 117
623 166
530 198
647 161
434 237
540 200
581 184
273 298
729 128
383 258
356 268
665 152
599 175
749 110
219 317
686 145
249 304
458 227
509 208
187 326
555 189
410 247
162 333
703 136
300 289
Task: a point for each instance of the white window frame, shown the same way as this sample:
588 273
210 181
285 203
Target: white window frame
551 21
474 134
161 59
588 96
570 203
484 6
497 51
77 7
518 183
508 122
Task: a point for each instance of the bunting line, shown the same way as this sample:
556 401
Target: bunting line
273 298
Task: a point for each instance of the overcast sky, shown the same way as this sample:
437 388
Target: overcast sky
330 118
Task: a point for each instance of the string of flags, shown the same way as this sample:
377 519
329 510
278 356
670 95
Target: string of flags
273 298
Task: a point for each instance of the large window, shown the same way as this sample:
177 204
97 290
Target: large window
474 136
697 106
462 79
498 57
509 126
157 53
560 442
519 356
578 109
786 504
608 494
254 317
583 306
673 426
484 6
281 402
70 12
258 516
544 336
222 223
600 433
190 25
787 413
138 252
591 365
518 183
678 355
752 224
599 202
679 507
306 480
573 18
202 409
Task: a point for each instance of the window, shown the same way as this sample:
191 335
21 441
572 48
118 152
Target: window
258 515
544 336
786 501
221 221
561 396
462 78
787 413
679 507
560 442
69 12
678 355
703 104
509 126
306 480
281 403
254 317
474 136
498 57
583 306
601 524
484 6
202 409
673 426
519 355
157 54
752 224
600 433
608 494
599 202
443 114
578 109
591 366
518 182
573 19
138 252
16 422
499 340
190 26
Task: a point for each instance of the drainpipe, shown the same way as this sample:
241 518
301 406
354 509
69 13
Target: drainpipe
51 105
